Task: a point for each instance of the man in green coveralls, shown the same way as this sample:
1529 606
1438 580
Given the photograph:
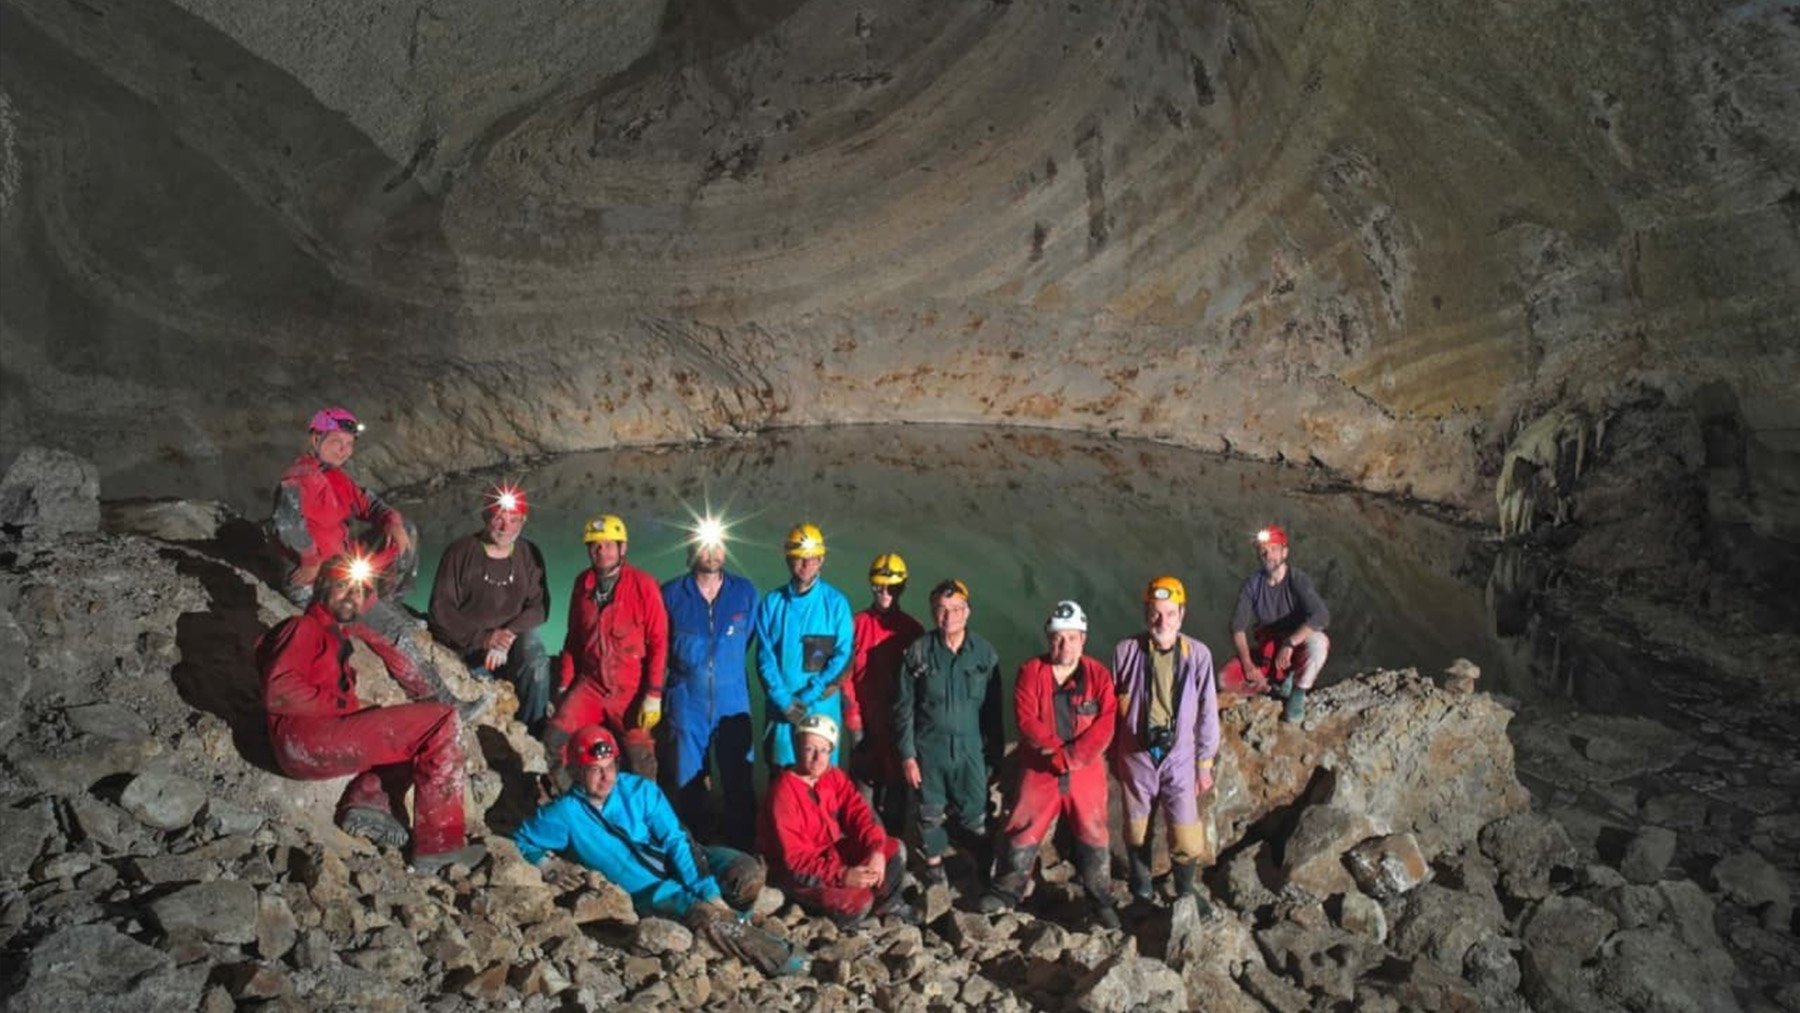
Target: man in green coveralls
949 731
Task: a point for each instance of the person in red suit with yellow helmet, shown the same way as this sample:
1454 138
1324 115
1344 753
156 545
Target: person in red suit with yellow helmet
615 653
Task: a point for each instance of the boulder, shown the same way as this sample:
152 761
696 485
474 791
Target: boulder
1130 982
23 833
1386 867
1747 878
1324 960
1528 848
276 927
1441 925
1312 856
1653 969
1389 745
1362 915
1561 936
171 520
48 493
1648 854
98 968
16 684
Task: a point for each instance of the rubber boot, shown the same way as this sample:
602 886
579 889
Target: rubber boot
1010 879
1296 706
1187 884
1143 886
1094 864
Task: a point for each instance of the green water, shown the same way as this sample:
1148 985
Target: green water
1025 518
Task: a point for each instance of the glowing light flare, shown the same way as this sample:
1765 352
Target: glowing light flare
358 570
709 532
1262 537
507 498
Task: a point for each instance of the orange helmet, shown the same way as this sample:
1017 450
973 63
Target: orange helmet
1166 589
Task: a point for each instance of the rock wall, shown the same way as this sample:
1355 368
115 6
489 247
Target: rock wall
1371 237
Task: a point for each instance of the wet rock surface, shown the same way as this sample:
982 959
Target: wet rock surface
148 846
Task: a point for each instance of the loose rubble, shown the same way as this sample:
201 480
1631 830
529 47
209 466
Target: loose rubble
1382 856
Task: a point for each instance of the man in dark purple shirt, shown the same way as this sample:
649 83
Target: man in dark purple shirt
489 599
1278 630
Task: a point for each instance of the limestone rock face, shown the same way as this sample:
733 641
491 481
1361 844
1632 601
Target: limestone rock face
509 231
48 492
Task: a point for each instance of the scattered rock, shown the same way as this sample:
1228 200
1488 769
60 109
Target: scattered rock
1529 848
95 967
1130 982
1312 857
1648 854
24 830
657 936
276 927
227 818
163 801
1441 924
1561 938
1386 867
1749 879
1324 960
107 721
224 911
1362 915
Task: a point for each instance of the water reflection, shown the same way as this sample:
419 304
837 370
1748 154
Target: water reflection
1025 517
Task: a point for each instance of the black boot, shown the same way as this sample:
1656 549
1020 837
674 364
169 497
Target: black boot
1143 887
1187 884
1010 879
1094 864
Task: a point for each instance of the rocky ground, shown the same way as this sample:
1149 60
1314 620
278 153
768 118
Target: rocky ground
1381 856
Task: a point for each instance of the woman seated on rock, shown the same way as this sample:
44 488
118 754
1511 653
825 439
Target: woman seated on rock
622 826
828 850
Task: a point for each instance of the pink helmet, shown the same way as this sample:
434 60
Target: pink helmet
332 420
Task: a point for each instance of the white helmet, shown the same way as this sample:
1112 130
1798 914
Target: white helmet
820 725
1067 615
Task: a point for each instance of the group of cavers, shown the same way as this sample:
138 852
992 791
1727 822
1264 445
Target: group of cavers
877 730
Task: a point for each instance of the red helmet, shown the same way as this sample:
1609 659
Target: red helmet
506 497
1271 535
589 744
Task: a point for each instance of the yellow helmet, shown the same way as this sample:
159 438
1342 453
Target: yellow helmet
806 541
1166 589
604 528
888 570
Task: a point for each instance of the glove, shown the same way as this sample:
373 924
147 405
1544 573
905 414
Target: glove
795 714
650 712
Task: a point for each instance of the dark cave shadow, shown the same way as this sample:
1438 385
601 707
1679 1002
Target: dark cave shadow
518 788
217 672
